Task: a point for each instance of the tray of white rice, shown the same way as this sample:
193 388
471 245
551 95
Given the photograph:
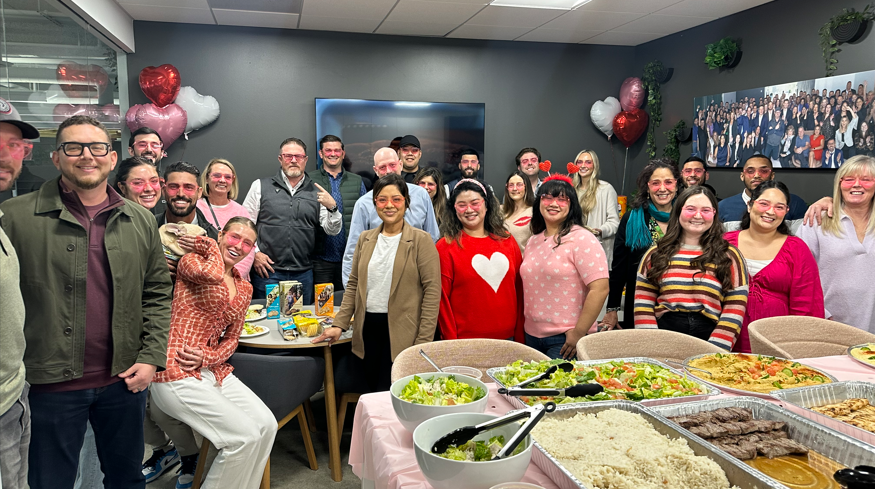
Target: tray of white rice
624 445
838 448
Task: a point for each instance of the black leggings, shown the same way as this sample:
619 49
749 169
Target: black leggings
374 372
691 323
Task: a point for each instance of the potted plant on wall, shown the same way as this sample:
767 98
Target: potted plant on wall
846 27
722 54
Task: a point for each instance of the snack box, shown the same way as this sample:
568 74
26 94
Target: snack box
272 292
324 299
288 329
291 297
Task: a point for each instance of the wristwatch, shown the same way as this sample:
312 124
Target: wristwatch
333 210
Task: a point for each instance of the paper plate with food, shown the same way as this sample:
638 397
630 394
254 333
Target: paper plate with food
864 354
757 375
256 312
252 330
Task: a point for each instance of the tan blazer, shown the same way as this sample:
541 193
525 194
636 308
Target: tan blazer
415 296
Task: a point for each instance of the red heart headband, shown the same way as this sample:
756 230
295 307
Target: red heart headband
572 169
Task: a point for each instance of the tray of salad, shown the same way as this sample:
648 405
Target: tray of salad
638 379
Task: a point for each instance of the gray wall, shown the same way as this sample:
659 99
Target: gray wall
266 81
780 44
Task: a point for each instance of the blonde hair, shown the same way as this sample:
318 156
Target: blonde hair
858 165
205 177
587 194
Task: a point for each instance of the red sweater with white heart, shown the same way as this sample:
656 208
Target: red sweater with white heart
481 293
555 279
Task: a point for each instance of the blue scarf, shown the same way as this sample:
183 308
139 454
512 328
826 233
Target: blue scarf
637 231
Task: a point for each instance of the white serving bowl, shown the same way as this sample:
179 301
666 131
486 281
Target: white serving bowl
411 414
443 473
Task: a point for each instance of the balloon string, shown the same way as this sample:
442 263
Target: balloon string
185 145
625 163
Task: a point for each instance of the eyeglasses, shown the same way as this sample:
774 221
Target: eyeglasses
221 176
142 145
763 172
397 201
529 160
73 148
865 182
693 171
188 188
669 183
291 157
332 151
516 185
475 205
705 212
139 184
427 184
764 205
233 239
18 148
561 201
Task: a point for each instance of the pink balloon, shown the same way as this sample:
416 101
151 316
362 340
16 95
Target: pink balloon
62 112
169 121
110 113
631 94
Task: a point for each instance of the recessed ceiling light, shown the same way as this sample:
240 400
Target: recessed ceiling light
545 4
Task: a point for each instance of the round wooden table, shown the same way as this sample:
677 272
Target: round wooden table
274 339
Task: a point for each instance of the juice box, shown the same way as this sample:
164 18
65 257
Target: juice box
272 291
291 297
324 299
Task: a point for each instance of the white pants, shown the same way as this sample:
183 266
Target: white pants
231 416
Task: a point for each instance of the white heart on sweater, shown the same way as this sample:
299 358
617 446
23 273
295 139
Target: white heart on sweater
493 269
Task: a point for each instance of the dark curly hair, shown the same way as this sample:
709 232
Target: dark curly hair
755 194
643 195
556 188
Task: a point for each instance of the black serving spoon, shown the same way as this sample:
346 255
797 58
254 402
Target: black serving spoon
465 434
860 477
579 390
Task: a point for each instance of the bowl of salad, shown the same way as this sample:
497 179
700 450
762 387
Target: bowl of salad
469 466
419 397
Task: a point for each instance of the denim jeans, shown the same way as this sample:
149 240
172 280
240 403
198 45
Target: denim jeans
549 345
58 430
305 277
14 443
89 475
691 323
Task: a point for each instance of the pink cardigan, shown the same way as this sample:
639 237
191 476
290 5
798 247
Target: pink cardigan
788 286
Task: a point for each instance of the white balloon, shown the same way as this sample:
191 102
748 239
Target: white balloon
603 113
41 104
202 110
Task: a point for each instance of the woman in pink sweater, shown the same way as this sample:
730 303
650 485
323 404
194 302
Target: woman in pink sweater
481 294
219 181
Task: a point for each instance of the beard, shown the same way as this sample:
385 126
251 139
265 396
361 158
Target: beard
469 172
292 172
16 172
183 212
86 183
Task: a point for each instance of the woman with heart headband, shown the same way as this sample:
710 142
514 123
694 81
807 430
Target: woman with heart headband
598 200
219 181
564 272
517 208
481 294
640 228
692 281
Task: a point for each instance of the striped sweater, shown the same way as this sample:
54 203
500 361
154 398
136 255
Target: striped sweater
684 288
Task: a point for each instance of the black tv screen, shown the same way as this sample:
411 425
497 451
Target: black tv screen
443 128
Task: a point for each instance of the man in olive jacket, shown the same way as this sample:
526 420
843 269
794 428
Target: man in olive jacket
97 297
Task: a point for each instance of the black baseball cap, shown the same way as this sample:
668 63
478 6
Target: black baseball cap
409 140
10 115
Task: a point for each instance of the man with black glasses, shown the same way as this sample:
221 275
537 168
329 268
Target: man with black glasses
97 298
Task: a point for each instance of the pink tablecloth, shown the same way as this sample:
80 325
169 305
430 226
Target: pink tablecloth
382 450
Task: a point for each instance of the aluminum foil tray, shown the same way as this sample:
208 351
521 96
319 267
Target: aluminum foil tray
821 439
703 377
709 389
738 473
802 398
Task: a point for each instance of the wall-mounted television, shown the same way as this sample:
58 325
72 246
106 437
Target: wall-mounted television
443 128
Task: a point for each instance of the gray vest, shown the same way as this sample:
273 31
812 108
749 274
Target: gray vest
287 224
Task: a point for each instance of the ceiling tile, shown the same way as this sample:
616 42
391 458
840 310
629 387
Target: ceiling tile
634 6
438 12
170 14
256 19
469 2
544 34
282 6
515 16
350 9
588 20
469 31
622 38
416 28
663 24
167 3
340 24
710 8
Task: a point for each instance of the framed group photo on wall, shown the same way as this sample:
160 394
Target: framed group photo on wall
803 125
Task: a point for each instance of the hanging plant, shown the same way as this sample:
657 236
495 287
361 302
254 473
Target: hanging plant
673 139
653 72
723 53
847 26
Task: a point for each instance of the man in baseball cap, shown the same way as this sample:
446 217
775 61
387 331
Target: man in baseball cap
14 410
409 152
14 148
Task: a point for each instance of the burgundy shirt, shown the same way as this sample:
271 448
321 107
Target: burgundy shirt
97 371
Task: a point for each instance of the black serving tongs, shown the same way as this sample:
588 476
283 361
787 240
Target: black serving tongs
564 366
465 434
860 477
579 390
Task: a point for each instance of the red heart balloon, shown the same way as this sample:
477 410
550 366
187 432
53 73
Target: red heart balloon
161 84
629 125
82 80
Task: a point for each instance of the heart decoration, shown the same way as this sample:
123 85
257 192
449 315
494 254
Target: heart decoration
62 112
602 114
168 121
201 110
629 125
572 168
492 269
78 80
544 166
161 84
